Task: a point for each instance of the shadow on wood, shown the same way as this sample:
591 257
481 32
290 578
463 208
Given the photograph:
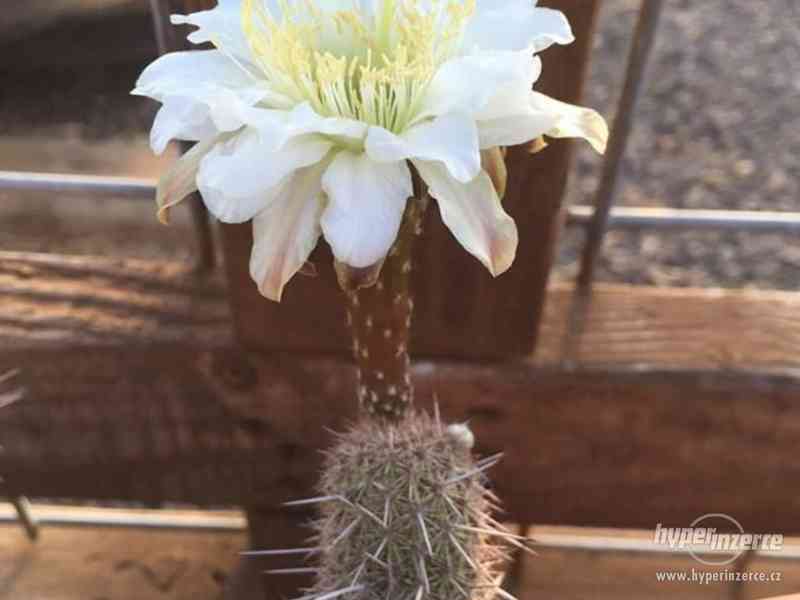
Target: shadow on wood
136 391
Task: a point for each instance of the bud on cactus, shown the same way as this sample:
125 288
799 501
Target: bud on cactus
405 515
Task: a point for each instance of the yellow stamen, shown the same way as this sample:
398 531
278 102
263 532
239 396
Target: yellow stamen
373 68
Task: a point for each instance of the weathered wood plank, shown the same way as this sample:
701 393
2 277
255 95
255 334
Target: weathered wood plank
129 564
678 328
89 564
135 391
49 299
583 448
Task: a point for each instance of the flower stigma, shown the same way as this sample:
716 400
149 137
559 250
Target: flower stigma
372 67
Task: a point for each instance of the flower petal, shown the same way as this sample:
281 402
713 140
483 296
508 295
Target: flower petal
190 73
513 97
181 180
451 139
234 175
493 162
277 127
508 118
516 24
286 232
573 121
181 119
544 116
366 205
515 129
222 26
304 119
467 84
203 92
474 215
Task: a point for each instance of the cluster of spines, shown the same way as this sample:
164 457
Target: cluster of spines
405 515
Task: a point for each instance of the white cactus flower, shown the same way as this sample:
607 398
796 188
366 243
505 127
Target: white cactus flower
308 113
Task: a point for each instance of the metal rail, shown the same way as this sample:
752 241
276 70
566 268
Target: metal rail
115 518
234 522
689 219
77 184
577 216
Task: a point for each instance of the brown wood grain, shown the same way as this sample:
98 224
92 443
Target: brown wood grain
129 564
135 391
612 449
73 301
90 564
50 300
678 328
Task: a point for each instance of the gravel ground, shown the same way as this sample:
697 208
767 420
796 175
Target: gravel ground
718 127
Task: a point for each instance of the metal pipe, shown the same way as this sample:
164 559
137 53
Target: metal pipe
623 124
235 522
124 519
78 184
690 219
636 217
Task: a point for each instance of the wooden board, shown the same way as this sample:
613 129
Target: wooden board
677 328
130 564
98 563
76 301
49 301
135 391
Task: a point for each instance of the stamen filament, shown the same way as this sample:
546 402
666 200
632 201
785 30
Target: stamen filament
348 64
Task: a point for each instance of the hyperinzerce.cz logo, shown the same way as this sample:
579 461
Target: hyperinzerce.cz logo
716 539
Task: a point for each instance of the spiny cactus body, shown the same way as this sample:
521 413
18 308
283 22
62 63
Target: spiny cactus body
405 515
